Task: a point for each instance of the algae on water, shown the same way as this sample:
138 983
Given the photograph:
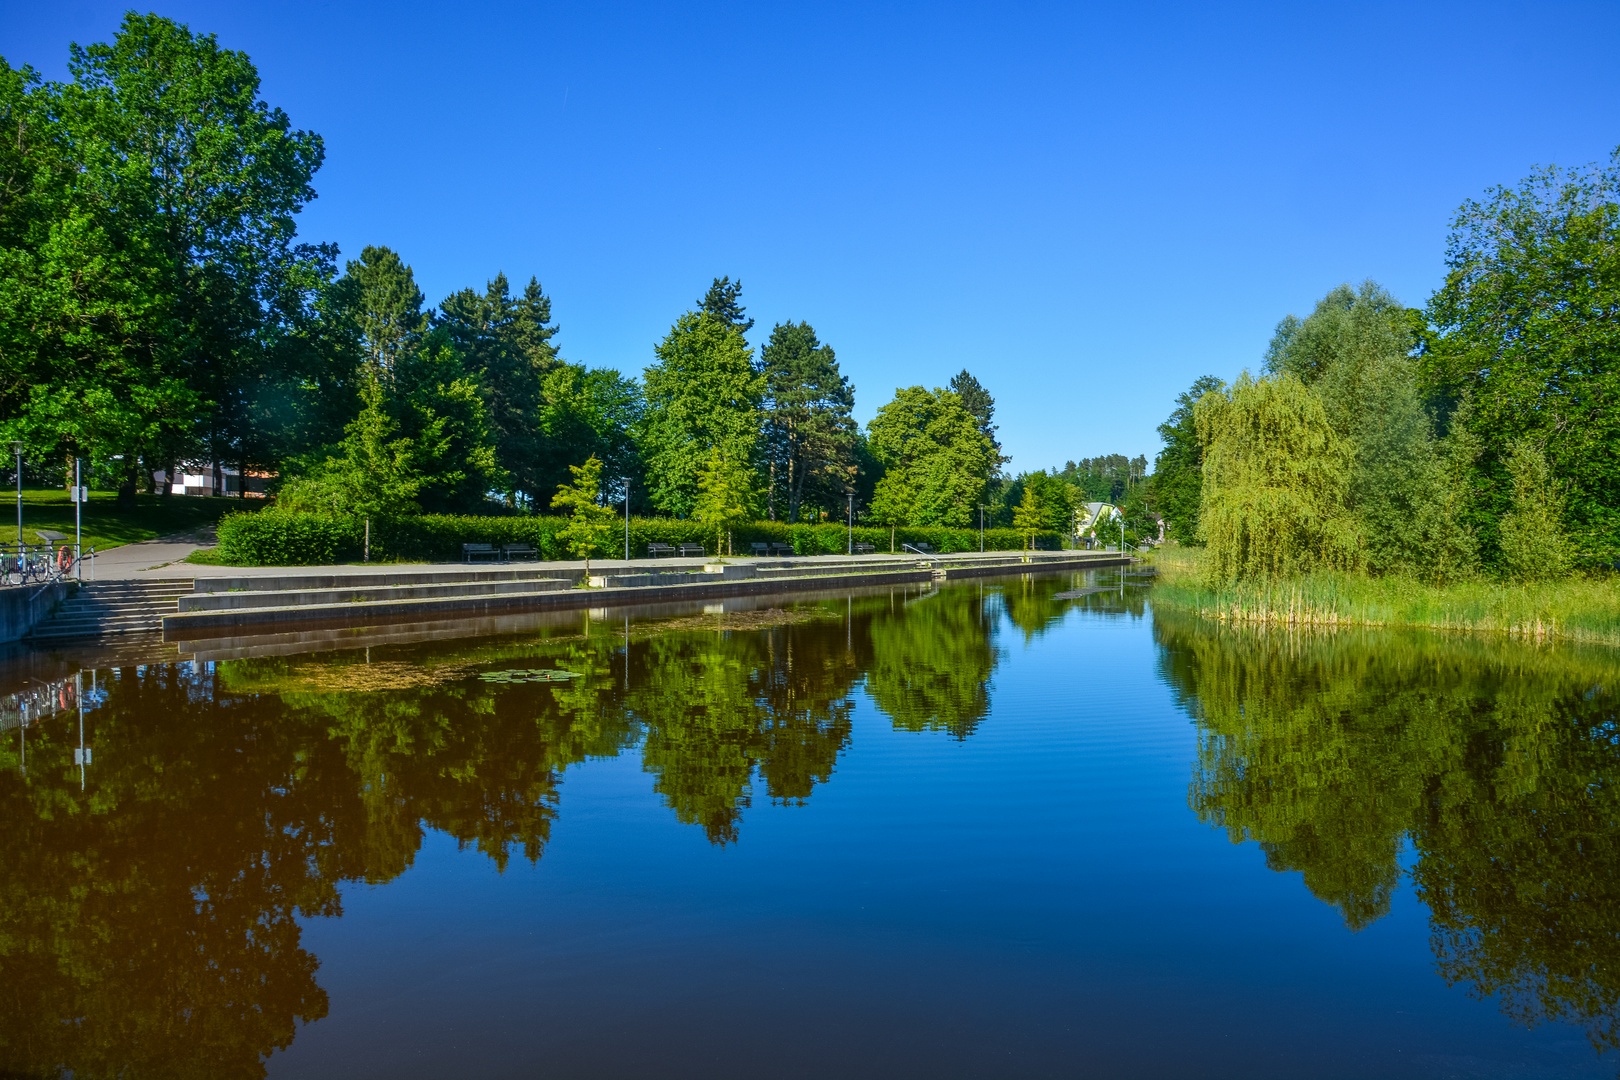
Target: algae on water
528 675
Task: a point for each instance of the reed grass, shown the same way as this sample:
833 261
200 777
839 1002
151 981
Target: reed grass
1585 609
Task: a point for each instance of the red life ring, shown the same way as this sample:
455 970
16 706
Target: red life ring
64 558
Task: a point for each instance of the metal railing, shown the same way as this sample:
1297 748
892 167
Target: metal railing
919 551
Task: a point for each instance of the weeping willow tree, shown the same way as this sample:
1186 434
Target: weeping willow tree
1276 475
1354 351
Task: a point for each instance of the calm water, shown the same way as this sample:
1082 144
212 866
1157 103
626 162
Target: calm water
986 830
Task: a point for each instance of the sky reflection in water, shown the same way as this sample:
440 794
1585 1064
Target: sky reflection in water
938 832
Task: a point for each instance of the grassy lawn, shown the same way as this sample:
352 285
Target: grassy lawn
105 526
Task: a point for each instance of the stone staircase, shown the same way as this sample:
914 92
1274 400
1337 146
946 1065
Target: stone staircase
100 608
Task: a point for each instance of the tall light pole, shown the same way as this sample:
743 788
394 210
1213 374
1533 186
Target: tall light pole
851 495
626 480
16 448
982 509
78 519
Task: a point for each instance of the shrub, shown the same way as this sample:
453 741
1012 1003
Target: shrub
275 537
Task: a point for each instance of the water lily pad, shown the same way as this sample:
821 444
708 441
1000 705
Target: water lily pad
528 675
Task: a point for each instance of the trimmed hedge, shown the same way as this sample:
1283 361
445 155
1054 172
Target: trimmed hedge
274 537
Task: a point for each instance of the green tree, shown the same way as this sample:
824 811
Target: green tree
440 406
809 435
724 302
507 341
894 500
1178 471
702 393
725 496
1030 517
1354 351
595 411
982 407
943 459
590 523
378 294
376 474
157 287
1275 477
1533 541
1525 324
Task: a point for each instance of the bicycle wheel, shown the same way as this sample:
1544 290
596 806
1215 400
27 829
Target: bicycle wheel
11 570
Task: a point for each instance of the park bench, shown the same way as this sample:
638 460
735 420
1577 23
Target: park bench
655 550
474 552
518 551
780 549
926 549
760 549
691 551
865 549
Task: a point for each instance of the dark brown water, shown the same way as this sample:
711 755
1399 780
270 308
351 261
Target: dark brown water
973 831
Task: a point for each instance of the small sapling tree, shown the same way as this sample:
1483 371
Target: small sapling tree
589 522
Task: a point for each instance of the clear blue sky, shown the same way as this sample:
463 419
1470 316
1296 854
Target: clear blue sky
1086 206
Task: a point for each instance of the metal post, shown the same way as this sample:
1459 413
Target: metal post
78 517
981 528
851 522
626 480
17 447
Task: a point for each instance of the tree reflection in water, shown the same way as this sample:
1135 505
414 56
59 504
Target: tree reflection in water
148 921
1495 762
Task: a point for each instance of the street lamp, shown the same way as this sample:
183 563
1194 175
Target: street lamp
17 448
851 496
982 509
626 480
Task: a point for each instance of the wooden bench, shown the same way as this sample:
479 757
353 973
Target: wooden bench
760 549
691 551
926 549
865 549
474 552
518 551
780 549
655 550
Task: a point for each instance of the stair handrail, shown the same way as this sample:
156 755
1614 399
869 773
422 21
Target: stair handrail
924 554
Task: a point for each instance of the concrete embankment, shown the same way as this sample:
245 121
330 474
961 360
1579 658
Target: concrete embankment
222 607
22 607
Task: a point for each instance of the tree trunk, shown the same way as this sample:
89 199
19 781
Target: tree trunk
67 472
126 489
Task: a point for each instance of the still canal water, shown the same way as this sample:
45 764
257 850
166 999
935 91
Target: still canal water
1029 827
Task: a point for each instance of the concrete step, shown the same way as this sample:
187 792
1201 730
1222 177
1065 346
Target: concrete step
381 594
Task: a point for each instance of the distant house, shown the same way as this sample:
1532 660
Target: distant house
202 481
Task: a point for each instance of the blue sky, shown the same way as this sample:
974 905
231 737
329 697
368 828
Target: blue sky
1086 206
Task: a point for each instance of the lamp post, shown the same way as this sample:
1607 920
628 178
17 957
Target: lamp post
851 523
17 448
982 509
626 480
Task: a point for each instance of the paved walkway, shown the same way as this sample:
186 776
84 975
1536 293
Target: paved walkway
164 558
151 559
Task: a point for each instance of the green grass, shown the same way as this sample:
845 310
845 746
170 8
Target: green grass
106 526
1575 609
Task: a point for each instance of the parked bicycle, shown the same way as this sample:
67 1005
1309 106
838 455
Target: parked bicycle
37 564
